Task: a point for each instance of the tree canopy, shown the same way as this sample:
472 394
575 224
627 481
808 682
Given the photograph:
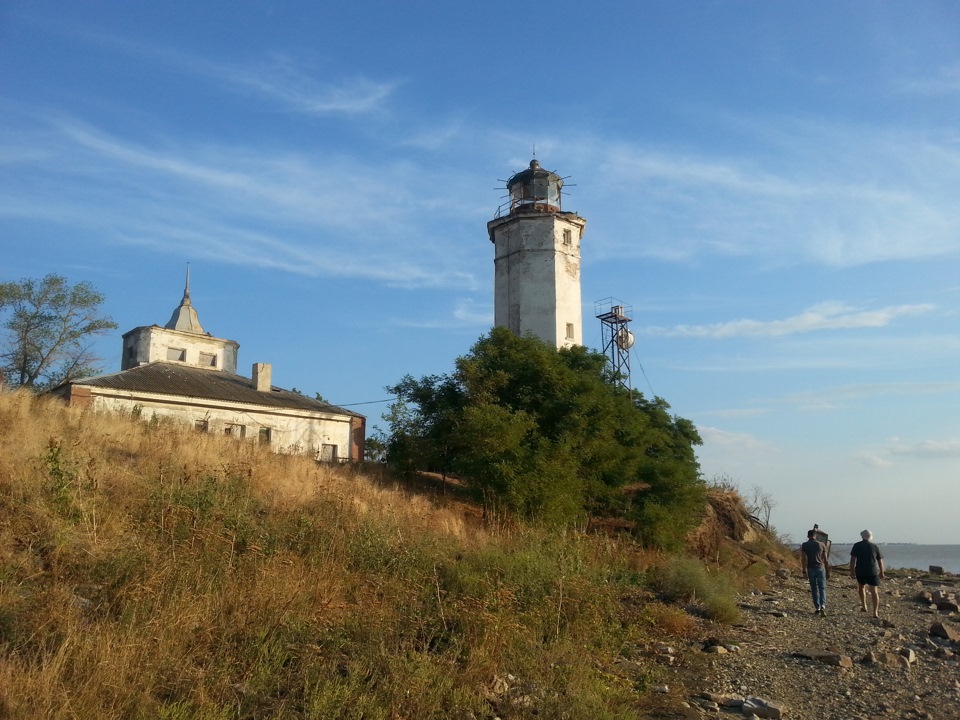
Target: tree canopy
547 434
49 326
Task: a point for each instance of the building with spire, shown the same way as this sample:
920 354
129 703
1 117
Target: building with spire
181 340
183 373
537 260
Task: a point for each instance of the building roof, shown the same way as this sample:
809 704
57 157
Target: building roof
185 317
167 378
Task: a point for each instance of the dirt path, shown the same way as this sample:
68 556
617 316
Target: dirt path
821 668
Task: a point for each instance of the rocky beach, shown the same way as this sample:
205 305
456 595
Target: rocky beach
780 660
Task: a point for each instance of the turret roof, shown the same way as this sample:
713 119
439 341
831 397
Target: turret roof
185 316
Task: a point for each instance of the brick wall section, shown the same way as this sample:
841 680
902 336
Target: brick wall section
358 438
80 397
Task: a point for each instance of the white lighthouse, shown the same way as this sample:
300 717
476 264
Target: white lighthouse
537 260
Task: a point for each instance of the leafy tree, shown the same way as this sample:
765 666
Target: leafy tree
49 327
547 434
375 448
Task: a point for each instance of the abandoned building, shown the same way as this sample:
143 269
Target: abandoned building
183 373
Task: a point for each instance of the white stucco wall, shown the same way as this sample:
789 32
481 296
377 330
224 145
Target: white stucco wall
291 431
537 275
150 343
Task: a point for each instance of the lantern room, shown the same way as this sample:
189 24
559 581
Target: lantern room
534 189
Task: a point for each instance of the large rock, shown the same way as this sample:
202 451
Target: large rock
827 657
945 630
758 707
724 699
939 595
887 658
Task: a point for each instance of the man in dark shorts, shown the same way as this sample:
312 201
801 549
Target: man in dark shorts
866 566
815 566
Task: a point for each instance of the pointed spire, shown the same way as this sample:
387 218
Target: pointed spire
185 317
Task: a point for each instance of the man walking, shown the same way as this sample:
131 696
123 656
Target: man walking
866 567
815 566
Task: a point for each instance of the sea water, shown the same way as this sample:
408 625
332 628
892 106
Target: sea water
906 555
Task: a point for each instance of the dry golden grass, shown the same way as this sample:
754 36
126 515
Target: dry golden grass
148 571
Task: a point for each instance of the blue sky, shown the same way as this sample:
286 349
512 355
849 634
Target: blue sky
772 187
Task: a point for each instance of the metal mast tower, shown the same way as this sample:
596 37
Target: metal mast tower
615 319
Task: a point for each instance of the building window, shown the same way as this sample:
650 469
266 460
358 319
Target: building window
568 237
328 453
264 436
208 359
235 430
178 354
569 331
201 425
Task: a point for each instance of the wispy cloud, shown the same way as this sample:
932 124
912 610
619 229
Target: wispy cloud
825 316
735 412
297 84
897 450
949 448
784 191
945 81
846 393
287 81
465 313
321 216
731 440
833 398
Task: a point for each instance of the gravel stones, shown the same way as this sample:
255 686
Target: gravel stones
794 664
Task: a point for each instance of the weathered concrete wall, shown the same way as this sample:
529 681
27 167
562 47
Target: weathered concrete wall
151 343
290 431
537 275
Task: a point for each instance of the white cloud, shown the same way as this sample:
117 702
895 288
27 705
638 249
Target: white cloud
948 448
735 412
293 82
465 314
897 451
825 316
324 216
731 440
785 191
945 81
875 460
286 81
838 395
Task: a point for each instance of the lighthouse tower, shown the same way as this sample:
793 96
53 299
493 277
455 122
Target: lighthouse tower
537 260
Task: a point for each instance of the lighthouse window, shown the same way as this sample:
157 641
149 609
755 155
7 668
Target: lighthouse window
567 237
569 331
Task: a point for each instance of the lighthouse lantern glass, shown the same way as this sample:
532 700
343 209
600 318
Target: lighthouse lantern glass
536 190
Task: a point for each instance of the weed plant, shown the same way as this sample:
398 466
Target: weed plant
687 580
148 571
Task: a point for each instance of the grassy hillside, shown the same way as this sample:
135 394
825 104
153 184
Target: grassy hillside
147 571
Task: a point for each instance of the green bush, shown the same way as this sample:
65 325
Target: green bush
687 580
